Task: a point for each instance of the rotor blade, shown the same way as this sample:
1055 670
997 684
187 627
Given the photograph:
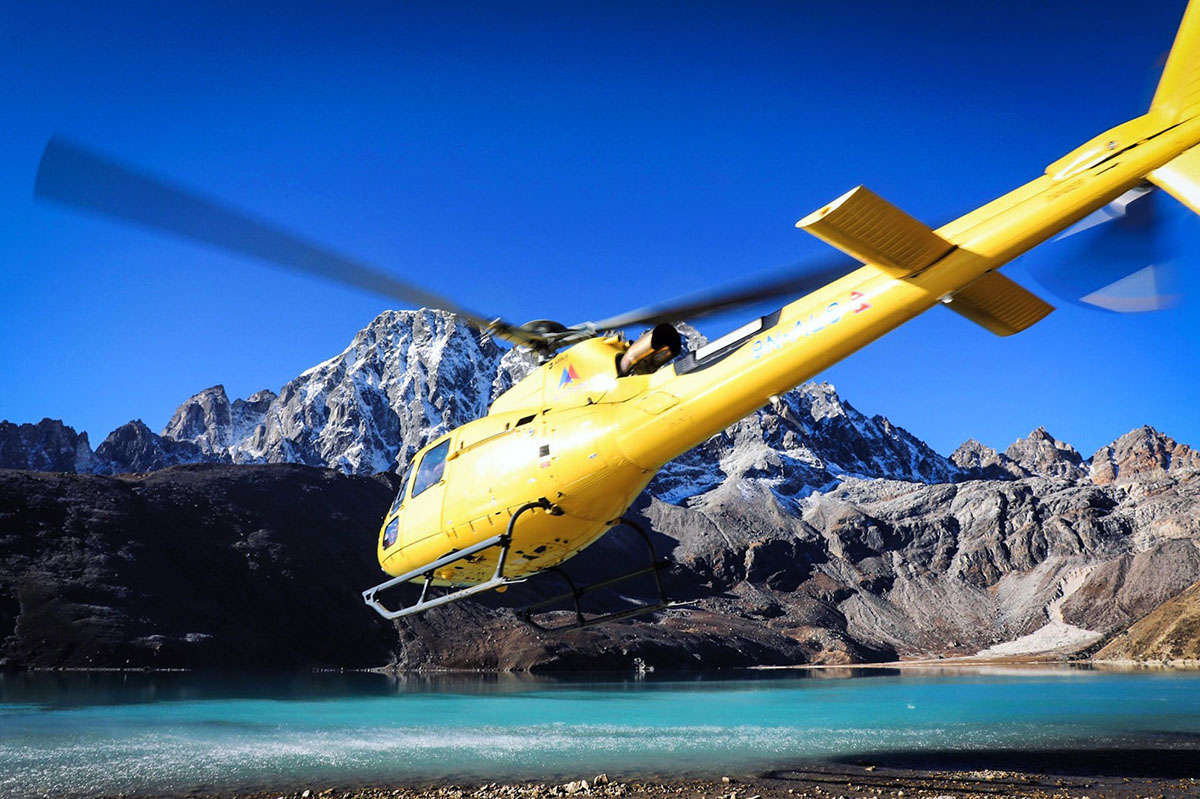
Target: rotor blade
801 279
74 176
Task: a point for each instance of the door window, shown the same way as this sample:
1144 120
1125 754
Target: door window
432 466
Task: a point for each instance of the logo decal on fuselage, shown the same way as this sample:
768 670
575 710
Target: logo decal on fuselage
569 376
831 315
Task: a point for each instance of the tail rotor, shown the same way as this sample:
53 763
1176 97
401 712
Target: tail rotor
1122 258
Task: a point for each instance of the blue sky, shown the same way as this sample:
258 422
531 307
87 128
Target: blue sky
562 160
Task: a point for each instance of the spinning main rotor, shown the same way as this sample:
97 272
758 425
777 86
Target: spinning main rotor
76 176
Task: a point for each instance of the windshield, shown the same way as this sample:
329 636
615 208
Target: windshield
399 500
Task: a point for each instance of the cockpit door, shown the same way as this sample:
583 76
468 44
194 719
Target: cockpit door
423 507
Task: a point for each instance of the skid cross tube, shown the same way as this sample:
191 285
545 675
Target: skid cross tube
656 568
504 541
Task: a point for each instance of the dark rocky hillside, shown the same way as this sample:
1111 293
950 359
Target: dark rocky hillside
193 566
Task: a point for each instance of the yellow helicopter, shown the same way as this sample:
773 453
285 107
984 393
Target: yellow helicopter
559 458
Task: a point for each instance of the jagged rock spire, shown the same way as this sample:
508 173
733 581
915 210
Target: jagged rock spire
1142 453
1044 455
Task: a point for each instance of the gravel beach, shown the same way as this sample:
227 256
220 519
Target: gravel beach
1091 774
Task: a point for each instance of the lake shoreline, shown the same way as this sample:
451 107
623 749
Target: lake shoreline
1076 774
926 662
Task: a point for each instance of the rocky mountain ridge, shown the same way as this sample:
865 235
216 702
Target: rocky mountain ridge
48 446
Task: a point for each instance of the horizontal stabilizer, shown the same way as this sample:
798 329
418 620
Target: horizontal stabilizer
876 232
1180 178
998 304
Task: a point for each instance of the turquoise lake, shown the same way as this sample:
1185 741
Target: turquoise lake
68 734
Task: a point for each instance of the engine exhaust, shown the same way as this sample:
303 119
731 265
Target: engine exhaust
651 350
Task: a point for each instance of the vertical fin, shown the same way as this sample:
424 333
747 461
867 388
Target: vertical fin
1178 94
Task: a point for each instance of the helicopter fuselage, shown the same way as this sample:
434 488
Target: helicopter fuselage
589 441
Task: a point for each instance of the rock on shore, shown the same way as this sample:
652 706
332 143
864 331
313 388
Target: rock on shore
1014 774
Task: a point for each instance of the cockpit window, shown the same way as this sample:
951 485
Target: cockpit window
399 500
432 466
390 532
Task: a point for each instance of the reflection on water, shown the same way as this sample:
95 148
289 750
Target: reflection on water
62 689
81 734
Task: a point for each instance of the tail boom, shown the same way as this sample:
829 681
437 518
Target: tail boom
812 333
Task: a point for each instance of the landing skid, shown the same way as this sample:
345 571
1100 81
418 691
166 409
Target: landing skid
427 571
498 580
656 568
